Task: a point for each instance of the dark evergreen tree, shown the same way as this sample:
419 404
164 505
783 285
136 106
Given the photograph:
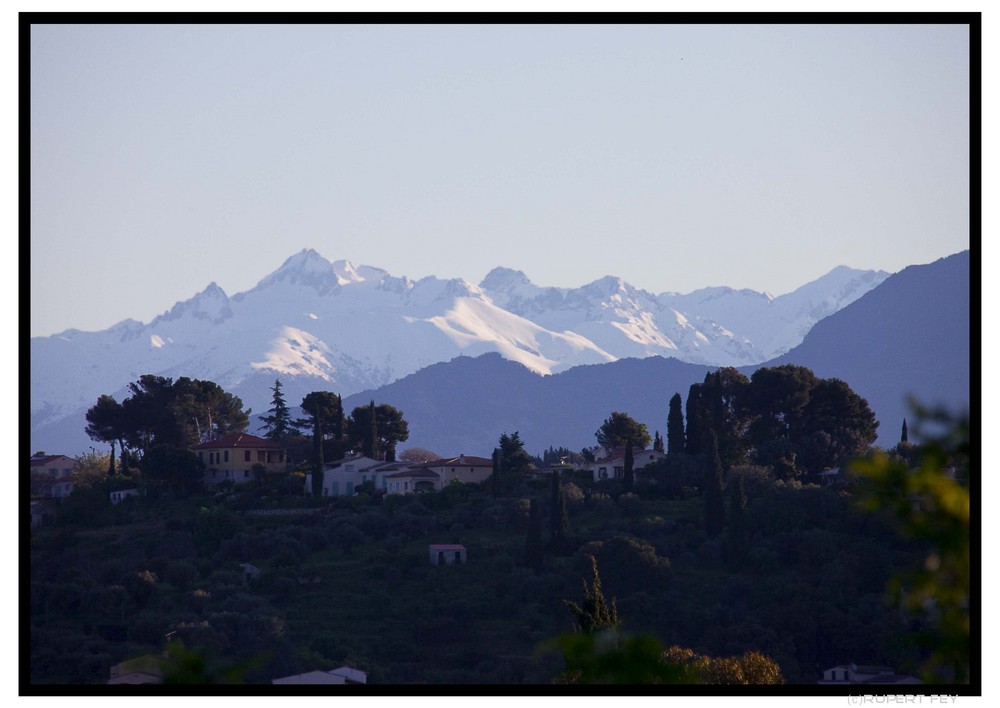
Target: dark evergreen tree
371 437
657 442
111 461
322 409
903 438
378 439
514 460
620 428
495 485
171 469
533 542
737 535
696 433
629 468
558 519
713 490
161 411
722 408
675 426
595 613
278 423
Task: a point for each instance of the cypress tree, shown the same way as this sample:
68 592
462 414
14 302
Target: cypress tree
629 467
675 426
694 434
737 541
370 445
559 519
111 463
658 442
533 543
317 470
904 438
495 477
713 493
595 613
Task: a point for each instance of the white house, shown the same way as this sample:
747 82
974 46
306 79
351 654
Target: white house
447 554
464 468
410 480
343 675
118 496
610 463
852 673
340 478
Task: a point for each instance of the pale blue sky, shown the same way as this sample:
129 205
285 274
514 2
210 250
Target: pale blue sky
676 157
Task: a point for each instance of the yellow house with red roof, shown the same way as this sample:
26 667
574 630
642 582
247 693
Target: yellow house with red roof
233 458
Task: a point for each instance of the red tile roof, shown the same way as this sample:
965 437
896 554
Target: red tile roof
46 459
239 440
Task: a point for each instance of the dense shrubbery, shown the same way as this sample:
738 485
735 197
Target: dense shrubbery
353 583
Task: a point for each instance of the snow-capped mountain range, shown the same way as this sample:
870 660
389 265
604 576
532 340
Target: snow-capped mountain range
336 326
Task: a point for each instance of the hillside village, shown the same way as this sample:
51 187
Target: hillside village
305 530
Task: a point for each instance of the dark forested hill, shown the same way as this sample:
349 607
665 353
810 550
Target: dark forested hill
910 335
462 406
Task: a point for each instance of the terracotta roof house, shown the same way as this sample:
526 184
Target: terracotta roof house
52 475
232 457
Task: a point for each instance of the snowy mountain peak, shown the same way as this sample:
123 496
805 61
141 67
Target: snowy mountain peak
606 286
502 280
348 272
211 304
322 323
308 268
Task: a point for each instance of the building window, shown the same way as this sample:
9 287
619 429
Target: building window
225 456
246 455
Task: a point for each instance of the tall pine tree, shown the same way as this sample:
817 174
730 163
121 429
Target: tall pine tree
905 437
278 423
713 492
